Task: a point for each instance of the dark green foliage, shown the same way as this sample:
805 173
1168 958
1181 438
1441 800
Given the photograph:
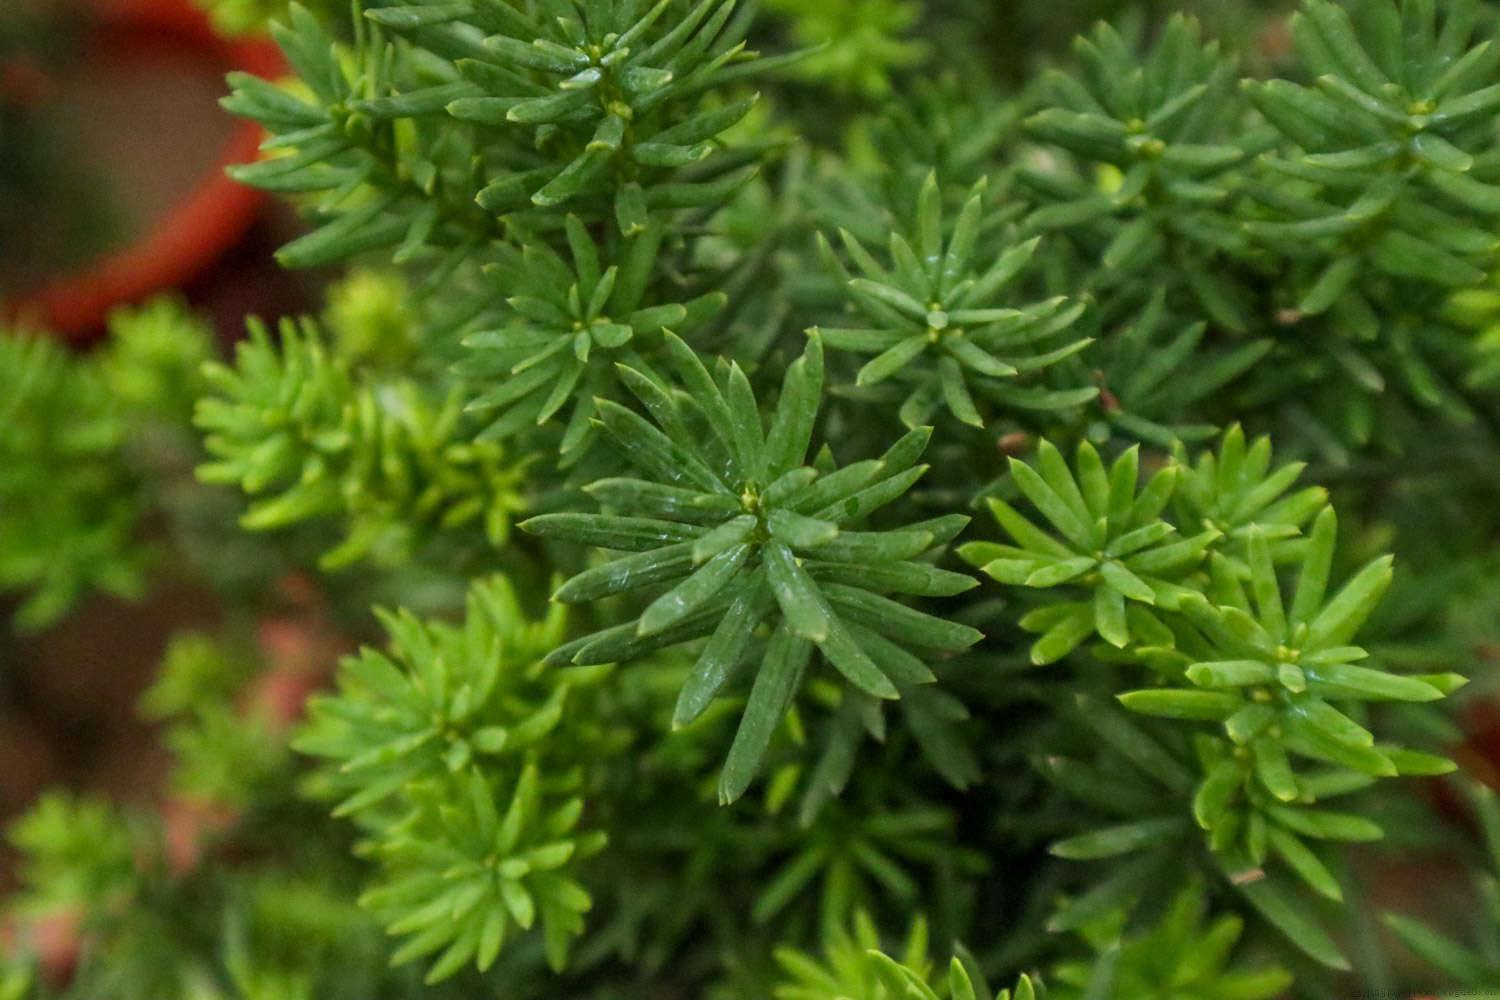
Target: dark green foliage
597 105
422 196
854 966
571 324
739 532
1160 368
936 319
1473 964
1388 135
1165 128
941 126
1379 203
1156 751
608 91
856 852
1178 958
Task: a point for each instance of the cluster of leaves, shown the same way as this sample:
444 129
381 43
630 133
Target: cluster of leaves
577 283
392 462
936 320
570 328
614 112
69 508
1366 190
73 438
455 756
854 966
1389 134
78 851
1178 957
858 44
598 106
1163 131
1268 677
743 533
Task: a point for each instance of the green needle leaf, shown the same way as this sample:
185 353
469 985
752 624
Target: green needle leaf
806 611
691 594
775 685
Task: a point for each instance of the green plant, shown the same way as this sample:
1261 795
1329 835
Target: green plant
78 852
1473 967
254 17
1176 958
755 537
936 319
390 460
75 482
855 966
860 44
741 341
69 509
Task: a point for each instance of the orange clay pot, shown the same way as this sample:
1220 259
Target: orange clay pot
204 224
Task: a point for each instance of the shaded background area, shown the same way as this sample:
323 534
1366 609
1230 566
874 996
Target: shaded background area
111 181
109 128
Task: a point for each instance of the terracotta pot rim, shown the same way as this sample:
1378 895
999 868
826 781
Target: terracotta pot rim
202 226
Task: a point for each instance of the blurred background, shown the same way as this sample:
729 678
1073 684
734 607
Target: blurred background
112 190
112 148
